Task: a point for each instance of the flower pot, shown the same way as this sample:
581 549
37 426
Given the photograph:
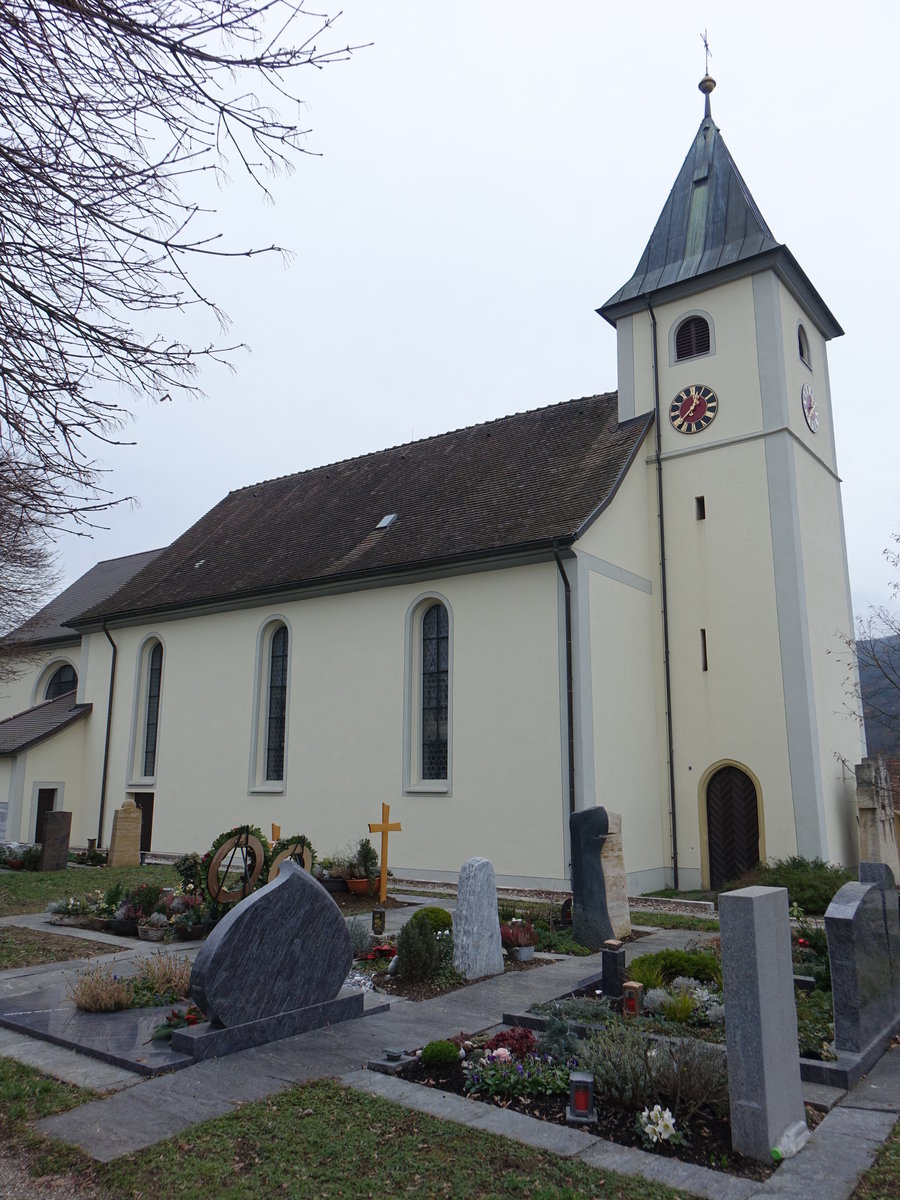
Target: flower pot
359 887
333 884
521 953
152 933
193 933
15 864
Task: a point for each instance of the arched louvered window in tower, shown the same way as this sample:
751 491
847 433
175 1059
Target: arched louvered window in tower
692 338
803 345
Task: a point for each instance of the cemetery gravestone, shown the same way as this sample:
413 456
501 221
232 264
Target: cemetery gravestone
764 1086
271 968
599 892
860 958
125 843
881 874
477 949
55 846
612 965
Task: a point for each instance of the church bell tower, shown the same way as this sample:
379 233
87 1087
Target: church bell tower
721 334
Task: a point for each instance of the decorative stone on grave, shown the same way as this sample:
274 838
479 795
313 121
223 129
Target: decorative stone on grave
477 950
125 843
271 968
860 958
55 846
599 891
875 809
612 964
765 1091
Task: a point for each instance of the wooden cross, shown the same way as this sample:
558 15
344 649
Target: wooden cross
384 829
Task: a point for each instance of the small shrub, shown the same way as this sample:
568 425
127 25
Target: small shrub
815 1024
518 933
690 1073
366 859
811 883
557 1041
189 870
658 970
31 858
418 950
619 1059
552 942
646 970
655 999
438 918
439 1054
680 1006
519 1041
143 900
96 989
360 938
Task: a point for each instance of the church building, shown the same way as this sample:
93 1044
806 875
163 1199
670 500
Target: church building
631 600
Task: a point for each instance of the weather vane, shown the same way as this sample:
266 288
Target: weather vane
707 49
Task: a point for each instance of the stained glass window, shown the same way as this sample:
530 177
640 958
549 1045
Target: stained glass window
151 725
435 691
62 680
277 707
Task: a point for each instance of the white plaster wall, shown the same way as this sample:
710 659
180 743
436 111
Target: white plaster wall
20 692
57 763
345 725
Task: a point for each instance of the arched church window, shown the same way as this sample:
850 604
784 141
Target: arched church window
803 345
435 691
151 710
276 708
64 679
692 338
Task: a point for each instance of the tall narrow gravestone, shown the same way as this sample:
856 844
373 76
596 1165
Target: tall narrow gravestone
55 843
599 894
761 1024
271 968
477 950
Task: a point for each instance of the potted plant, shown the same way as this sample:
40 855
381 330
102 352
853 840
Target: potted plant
153 928
519 939
332 872
188 916
363 868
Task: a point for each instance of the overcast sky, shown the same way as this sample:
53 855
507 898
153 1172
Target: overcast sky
490 173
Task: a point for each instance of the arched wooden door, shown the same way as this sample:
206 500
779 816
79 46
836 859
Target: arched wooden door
732 821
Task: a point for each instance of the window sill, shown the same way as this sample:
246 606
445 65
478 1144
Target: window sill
141 785
273 788
440 787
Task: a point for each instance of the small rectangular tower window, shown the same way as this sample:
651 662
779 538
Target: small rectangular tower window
700 507
704 660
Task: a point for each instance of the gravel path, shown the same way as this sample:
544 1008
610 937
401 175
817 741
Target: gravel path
16 1183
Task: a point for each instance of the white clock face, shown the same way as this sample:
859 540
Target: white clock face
810 410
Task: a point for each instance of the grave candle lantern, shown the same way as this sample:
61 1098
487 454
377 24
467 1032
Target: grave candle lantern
633 999
581 1109
378 920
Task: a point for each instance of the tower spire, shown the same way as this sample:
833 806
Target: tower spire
707 83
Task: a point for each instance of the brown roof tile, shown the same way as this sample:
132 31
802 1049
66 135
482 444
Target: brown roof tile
506 485
35 724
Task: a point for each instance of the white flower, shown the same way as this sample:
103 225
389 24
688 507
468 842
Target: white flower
501 1054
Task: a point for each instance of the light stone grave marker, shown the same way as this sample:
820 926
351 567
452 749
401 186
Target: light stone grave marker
477 949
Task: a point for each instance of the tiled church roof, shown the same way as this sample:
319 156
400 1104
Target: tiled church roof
32 726
506 486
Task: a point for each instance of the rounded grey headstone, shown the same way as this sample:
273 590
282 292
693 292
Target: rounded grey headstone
285 947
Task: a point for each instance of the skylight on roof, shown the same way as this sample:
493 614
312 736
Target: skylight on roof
386 521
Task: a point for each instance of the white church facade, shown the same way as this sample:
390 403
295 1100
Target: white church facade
632 599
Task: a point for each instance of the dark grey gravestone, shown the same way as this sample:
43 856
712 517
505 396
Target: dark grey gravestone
882 875
612 962
764 1086
591 925
285 947
860 960
55 846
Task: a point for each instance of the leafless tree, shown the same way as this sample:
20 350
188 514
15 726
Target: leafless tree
877 647
27 576
109 110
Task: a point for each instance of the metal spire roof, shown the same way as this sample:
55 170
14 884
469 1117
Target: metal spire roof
710 222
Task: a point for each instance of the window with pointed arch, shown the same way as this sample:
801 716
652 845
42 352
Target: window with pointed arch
267 767
428 699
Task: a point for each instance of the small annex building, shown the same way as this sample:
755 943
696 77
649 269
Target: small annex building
630 599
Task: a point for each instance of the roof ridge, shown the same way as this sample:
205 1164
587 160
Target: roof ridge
433 437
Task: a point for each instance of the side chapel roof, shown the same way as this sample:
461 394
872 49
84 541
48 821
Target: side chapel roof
25 729
514 485
711 223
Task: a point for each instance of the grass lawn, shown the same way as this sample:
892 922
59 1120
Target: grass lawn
666 920
322 1140
32 891
31 947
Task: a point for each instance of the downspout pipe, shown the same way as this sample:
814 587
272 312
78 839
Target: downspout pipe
667 671
109 708
570 700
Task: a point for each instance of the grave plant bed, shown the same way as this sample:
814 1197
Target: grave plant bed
428 989
709 1143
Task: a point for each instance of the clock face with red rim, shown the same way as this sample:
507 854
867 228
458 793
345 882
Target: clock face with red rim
810 408
693 408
